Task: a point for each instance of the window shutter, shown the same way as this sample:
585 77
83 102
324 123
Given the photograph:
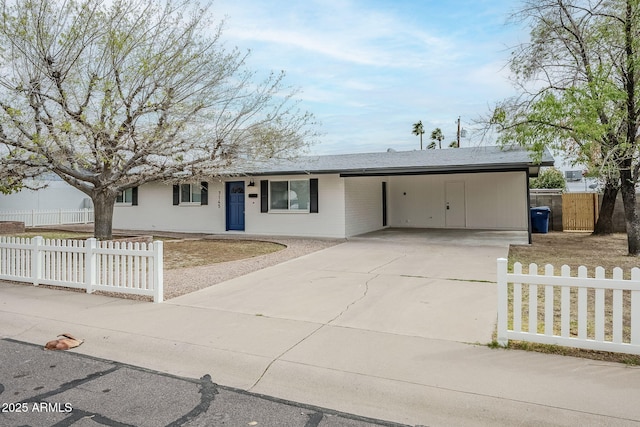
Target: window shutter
134 196
313 195
176 194
204 193
264 196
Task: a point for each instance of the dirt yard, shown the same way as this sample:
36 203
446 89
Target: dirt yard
575 249
194 253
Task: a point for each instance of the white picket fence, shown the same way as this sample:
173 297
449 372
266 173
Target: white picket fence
34 218
574 325
125 267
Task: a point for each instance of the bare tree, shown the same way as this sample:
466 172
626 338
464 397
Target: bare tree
111 95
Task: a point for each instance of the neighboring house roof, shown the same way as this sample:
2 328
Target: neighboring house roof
458 160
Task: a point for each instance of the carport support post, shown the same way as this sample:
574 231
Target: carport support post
503 303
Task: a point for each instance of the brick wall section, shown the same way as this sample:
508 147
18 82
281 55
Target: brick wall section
554 201
11 227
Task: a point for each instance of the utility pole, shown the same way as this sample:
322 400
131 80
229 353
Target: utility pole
458 138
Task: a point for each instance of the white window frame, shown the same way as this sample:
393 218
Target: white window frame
288 208
121 198
191 202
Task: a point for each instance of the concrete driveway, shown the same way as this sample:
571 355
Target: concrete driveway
426 283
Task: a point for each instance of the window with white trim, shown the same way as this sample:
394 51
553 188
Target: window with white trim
125 197
190 193
292 195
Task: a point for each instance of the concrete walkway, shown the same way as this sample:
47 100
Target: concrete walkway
382 326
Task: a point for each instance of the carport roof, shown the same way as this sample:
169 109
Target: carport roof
454 160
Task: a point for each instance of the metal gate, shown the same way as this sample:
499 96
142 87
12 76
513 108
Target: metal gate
579 211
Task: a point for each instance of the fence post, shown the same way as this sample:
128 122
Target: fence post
503 303
33 218
158 267
90 272
36 259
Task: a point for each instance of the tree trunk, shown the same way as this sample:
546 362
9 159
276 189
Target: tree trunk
632 220
604 225
104 201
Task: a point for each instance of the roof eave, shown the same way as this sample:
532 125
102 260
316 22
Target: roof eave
421 170
438 170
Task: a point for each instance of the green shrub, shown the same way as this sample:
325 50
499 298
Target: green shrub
548 178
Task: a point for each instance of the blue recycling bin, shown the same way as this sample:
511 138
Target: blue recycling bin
540 219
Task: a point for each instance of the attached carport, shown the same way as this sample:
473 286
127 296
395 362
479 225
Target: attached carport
482 188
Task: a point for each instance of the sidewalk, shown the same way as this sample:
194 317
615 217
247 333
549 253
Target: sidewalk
354 335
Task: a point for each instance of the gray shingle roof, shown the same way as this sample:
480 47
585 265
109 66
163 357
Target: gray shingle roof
472 159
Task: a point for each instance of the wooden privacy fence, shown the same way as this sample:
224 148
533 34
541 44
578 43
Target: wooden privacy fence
594 313
579 211
124 267
35 218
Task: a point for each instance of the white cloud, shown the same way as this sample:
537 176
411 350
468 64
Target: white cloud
347 33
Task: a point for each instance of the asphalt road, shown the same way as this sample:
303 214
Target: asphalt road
63 388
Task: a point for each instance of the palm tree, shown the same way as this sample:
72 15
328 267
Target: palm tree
437 135
418 130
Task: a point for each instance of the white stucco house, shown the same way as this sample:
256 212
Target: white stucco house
339 196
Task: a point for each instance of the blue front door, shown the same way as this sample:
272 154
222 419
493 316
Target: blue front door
235 205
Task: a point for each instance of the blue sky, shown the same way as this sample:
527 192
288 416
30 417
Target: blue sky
369 69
